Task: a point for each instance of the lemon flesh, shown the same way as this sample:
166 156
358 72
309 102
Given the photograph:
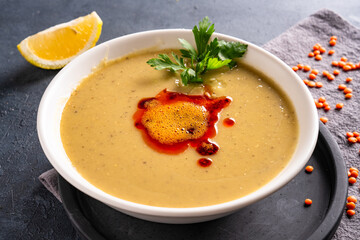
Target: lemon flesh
54 47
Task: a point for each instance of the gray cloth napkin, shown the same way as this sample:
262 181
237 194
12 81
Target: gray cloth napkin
293 47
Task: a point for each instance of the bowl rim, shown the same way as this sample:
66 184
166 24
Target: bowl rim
170 211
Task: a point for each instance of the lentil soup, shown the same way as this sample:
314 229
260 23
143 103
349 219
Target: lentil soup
104 145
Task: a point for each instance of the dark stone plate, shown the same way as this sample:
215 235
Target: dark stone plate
279 216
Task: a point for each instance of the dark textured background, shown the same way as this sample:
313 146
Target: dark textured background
27 210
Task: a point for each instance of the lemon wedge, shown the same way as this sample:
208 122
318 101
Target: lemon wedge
54 47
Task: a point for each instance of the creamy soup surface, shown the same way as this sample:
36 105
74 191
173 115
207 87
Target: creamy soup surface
99 136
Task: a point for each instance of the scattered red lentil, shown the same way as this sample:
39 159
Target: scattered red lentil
324 119
350 205
319 104
354 174
350 212
300 66
344 59
352 140
318 57
349 134
330 77
332 42
346 68
322 99
352 169
333 38
308 201
356 134
312 76
331 52
325 73
309 169
339 105
347 90
341 63
349 79
317 52
351 199
311 84
306 81
322 50
327 108
352 180
342 87
311 54
348 95
318 84
295 68
335 63
307 68
315 71
336 72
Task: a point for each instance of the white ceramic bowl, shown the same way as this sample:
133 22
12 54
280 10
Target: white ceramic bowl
59 90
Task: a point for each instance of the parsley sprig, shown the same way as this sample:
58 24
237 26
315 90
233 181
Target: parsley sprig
207 55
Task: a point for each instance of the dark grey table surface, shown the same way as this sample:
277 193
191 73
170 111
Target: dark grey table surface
27 209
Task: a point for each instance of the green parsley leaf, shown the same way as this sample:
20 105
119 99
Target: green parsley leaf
208 55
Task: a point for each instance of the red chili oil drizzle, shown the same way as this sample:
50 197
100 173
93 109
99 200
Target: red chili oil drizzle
204 162
229 122
203 145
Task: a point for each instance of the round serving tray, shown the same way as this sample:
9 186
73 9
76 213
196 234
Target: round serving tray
282 215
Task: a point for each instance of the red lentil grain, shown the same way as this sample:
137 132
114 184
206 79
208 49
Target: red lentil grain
350 205
351 199
309 169
315 71
352 140
347 90
348 95
339 106
307 68
308 202
330 77
311 84
319 105
350 212
342 86
344 59
349 79
332 42
346 68
352 180
318 84
312 76
349 134
341 63
324 119
354 174
322 99
318 57
331 52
